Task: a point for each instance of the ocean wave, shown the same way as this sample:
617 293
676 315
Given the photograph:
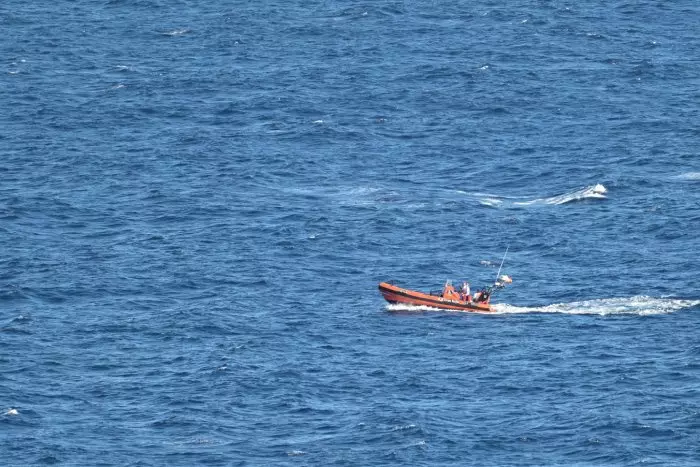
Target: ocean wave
491 202
641 305
596 191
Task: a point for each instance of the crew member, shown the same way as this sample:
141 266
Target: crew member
466 292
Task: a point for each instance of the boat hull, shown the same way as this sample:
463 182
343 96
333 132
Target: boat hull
394 294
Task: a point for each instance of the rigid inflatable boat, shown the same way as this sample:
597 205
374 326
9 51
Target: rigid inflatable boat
446 299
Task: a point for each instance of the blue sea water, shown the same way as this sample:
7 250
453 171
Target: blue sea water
198 200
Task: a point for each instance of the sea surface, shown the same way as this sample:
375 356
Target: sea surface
199 198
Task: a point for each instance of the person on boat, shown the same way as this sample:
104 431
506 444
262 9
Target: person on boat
466 292
482 296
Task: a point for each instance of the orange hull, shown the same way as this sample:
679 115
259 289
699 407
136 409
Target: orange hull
394 294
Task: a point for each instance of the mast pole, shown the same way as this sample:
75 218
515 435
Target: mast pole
502 261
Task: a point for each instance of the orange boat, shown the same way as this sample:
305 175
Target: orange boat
446 299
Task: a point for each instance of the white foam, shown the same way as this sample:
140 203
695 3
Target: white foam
410 426
405 307
641 305
689 176
416 308
528 203
490 202
177 32
12 412
596 191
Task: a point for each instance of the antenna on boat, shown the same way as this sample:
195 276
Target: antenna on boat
498 274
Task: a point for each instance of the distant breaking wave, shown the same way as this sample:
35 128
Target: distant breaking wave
641 305
597 191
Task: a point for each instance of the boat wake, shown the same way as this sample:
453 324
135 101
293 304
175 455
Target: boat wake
597 191
413 308
640 305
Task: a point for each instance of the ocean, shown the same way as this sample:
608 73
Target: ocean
199 199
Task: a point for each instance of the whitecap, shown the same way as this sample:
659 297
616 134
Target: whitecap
490 202
597 191
176 32
403 427
689 176
12 412
296 452
528 203
641 305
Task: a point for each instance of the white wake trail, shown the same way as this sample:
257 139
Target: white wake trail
641 305
405 307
